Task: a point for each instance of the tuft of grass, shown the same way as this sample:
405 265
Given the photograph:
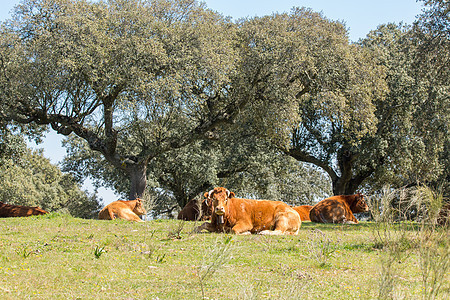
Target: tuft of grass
321 247
215 257
24 251
98 251
175 231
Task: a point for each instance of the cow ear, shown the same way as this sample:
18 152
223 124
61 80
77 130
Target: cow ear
206 195
231 195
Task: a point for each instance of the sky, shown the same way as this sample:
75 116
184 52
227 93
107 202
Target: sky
359 16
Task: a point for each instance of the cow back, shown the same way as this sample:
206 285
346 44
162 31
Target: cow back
122 209
260 213
338 209
303 211
11 211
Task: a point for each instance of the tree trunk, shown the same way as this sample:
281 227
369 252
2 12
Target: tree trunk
349 181
138 179
343 186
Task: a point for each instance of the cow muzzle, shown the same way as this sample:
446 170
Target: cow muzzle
220 211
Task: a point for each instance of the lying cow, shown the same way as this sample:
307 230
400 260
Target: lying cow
193 211
245 216
127 210
338 209
10 210
303 211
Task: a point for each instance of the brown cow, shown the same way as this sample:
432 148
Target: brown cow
127 210
339 209
246 216
10 210
303 211
192 211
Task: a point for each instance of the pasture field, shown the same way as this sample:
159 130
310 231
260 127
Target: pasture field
60 257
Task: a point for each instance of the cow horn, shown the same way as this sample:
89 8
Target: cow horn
209 193
228 193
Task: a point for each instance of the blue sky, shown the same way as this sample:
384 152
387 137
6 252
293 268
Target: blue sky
360 16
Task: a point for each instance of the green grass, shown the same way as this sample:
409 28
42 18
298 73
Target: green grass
60 257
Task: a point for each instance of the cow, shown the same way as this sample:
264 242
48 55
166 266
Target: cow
192 211
10 210
128 210
303 211
246 216
338 209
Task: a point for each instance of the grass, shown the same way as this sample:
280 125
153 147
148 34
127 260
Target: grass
60 257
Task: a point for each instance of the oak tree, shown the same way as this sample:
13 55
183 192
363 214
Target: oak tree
134 79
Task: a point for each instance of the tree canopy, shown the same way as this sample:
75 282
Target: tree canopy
133 78
316 88
173 95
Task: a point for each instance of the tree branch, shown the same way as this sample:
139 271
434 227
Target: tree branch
306 157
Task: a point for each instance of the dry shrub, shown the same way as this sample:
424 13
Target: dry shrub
406 224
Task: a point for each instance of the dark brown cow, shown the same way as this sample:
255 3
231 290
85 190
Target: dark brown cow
338 209
246 216
10 210
192 211
127 210
303 211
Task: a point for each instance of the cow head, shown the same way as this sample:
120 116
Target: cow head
219 199
139 207
359 205
206 208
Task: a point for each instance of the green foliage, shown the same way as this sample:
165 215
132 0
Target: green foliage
312 92
11 145
412 128
30 179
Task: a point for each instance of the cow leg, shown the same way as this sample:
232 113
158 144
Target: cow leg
241 228
111 214
129 215
207 226
349 222
287 222
350 218
271 232
245 233
340 219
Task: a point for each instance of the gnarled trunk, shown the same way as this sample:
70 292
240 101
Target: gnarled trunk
138 179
